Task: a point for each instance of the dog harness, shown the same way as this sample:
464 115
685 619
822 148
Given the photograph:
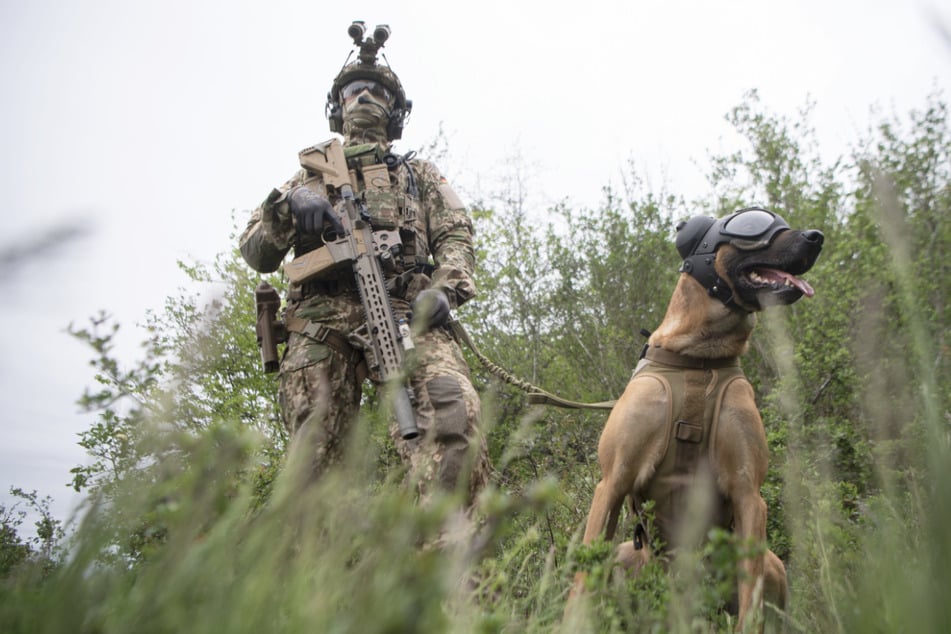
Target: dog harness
695 389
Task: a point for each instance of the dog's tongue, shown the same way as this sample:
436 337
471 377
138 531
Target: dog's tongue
783 277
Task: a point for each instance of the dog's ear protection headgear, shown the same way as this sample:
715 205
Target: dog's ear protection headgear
699 238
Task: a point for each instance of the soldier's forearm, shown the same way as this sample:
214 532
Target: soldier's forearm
269 234
457 283
260 254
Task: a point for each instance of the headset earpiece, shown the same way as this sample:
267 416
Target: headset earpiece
334 113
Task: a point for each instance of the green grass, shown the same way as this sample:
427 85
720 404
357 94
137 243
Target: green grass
192 545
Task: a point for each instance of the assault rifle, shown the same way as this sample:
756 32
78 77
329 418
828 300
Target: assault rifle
384 340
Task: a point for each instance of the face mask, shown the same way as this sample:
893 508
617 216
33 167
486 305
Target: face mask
365 116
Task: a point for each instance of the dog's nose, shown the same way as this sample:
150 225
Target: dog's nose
814 236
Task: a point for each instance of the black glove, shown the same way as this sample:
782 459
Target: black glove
311 211
431 307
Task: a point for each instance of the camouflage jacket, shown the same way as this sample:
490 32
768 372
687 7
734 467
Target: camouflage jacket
443 229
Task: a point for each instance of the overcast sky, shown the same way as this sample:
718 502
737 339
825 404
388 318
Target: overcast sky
147 123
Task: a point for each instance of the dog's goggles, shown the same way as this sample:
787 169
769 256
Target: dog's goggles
751 229
747 229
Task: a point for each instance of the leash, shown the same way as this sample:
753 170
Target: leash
536 395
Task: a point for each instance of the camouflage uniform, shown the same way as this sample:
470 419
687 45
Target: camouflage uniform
321 381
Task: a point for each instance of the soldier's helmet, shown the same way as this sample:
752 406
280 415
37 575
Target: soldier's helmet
366 67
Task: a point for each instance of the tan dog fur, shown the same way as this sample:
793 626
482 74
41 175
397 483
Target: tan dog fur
634 438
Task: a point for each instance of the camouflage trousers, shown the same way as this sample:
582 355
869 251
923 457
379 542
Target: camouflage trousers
321 388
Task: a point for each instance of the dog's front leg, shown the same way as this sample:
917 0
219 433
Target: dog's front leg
605 510
631 445
617 477
741 456
602 519
750 525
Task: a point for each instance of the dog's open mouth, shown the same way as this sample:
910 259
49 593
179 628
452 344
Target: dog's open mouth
777 280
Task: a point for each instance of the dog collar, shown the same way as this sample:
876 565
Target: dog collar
666 357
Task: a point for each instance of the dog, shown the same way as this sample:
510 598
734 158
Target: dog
686 433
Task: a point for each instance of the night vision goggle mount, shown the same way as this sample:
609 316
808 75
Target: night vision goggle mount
699 238
370 45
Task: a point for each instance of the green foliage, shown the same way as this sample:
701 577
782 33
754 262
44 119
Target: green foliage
199 521
199 372
41 551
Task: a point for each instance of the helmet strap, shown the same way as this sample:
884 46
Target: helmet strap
701 268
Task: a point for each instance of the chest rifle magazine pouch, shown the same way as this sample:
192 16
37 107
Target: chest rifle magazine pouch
381 197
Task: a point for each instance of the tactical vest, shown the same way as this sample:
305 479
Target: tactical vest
386 183
695 390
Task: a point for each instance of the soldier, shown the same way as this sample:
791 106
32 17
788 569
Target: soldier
323 368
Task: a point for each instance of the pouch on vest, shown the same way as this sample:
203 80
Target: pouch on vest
390 208
380 197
